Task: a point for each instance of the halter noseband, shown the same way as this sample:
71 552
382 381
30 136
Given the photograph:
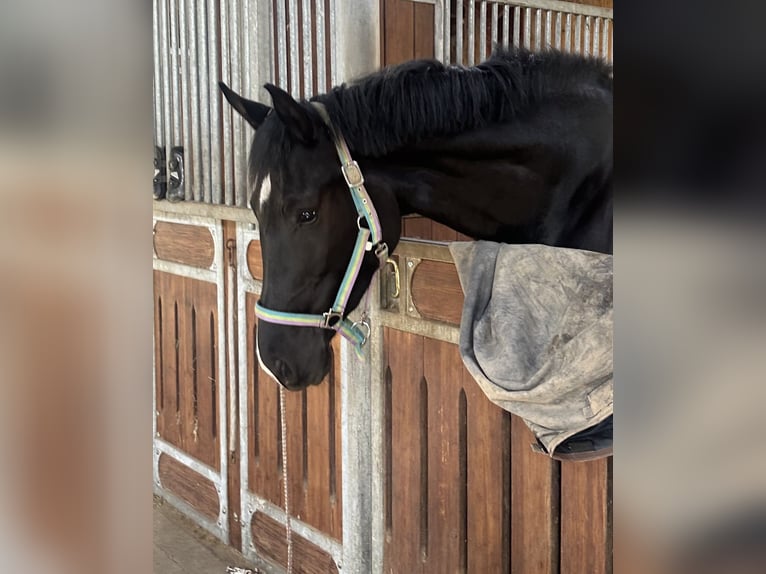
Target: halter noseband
369 238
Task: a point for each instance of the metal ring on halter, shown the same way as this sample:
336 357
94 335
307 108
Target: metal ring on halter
359 222
362 323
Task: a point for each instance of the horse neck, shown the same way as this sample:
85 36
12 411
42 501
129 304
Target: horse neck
485 197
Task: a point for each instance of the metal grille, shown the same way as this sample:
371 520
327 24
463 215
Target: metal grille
244 43
466 30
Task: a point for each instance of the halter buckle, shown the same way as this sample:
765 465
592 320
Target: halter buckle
331 320
353 174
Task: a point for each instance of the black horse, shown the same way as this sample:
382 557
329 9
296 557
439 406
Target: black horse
517 149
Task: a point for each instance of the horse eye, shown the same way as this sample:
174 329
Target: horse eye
307 216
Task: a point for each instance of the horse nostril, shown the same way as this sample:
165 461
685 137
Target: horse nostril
284 373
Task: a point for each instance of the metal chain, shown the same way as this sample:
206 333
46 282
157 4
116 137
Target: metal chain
288 524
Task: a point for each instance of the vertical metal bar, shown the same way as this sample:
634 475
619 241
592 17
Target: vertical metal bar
175 72
157 76
586 51
538 29
186 104
507 25
605 40
495 30
235 62
295 63
459 32
439 30
557 33
282 43
527 28
568 34
204 97
241 191
228 118
196 152
447 31
165 50
471 32
216 183
308 61
320 47
596 37
482 30
577 35
335 72
548 24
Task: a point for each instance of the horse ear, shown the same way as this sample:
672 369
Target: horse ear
295 117
253 112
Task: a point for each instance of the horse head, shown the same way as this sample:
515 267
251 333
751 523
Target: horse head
309 227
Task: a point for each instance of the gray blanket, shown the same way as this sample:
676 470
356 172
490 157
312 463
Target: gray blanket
536 333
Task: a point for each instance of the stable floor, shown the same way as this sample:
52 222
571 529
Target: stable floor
181 547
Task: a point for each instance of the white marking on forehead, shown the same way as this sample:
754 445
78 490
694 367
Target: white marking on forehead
265 191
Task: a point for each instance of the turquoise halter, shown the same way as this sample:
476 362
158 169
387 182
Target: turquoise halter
369 238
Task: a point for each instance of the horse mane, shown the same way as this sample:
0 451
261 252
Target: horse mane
423 99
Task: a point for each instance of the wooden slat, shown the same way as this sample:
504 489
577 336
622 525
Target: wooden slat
189 486
398 31
447 488
295 444
489 459
188 244
424 31
416 227
323 503
208 425
584 528
441 232
170 427
264 470
254 259
404 542
534 506
436 291
188 305
314 456
270 543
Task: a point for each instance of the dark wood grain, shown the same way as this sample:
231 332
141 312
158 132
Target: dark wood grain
189 486
186 350
269 540
534 506
436 291
188 244
254 259
584 522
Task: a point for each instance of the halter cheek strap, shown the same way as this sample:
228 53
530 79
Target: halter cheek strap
369 238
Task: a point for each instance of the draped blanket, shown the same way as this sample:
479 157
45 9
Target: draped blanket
536 333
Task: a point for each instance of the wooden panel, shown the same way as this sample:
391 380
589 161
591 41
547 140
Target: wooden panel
416 227
398 31
270 543
447 459
254 259
436 291
447 463
585 536
534 505
423 31
186 322
265 468
314 456
189 486
489 467
407 517
188 244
